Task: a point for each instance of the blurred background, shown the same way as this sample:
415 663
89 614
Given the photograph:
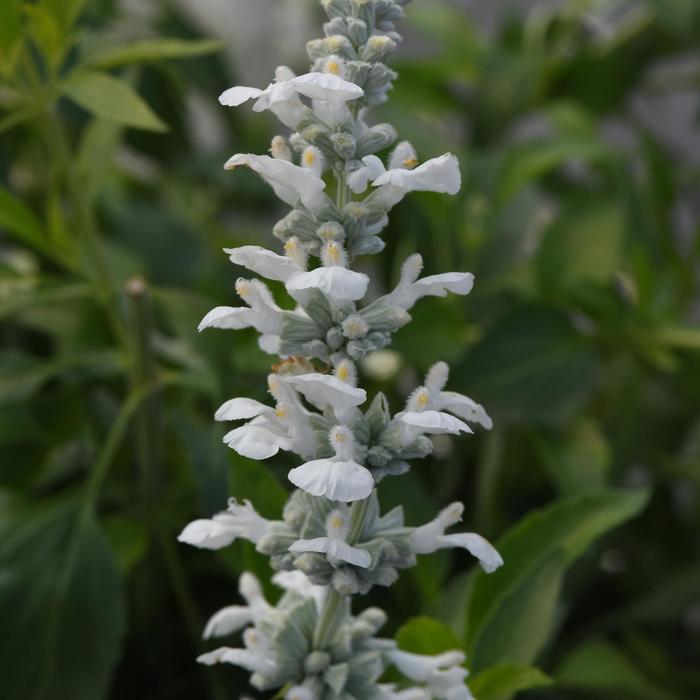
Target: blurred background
576 124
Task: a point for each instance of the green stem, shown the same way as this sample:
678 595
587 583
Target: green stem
333 610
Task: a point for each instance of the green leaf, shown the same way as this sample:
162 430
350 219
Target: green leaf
112 99
599 665
45 293
582 246
503 680
10 25
578 459
538 549
61 605
19 220
531 366
424 635
151 50
65 11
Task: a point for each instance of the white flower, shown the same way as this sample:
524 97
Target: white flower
435 175
239 657
263 262
443 674
299 583
258 439
431 397
389 692
371 169
264 315
298 692
403 157
282 96
291 183
328 391
433 423
238 521
312 158
431 537
235 617
410 288
335 545
339 478
337 282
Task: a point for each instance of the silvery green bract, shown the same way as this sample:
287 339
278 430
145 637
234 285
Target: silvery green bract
333 540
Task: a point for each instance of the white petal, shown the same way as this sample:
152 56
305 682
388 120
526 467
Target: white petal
256 442
434 422
476 545
228 317
337 282
207 534
371 170
240 409
227 621
238 95
334 548
326 390
465 408
263 262
338 481
403 156
326 86
239 657
435 175
439 285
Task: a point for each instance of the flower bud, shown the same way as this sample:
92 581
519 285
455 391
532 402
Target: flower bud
337 8
375 139
331 231
279 148
344 144
316 662
378 48
335 338
345 581
357 30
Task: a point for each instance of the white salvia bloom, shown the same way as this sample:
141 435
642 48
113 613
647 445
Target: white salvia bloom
328 391
337 282
443 674
294 249
404 156
312 159
346 371
234 617
435 175
239 657
291 183
279 148
258 439
371 169
333 254
339 478
410 289
389 692
264 262
282 96
417 423
299 583
431 537
432 396
238 521
335 545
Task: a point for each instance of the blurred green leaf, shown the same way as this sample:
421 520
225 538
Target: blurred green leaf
578 459
65 11
582 246
128 539
424 635
599 665
151 50
501 681
253 480
47 292
61 604
545 541
10 25
112 99
531 366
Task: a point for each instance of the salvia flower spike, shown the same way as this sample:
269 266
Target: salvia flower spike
332 541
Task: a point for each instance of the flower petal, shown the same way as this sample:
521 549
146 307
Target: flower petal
241 409
478 546
263 262
228 317
207 534
326 86
256 441
435 175
337 282
326 390
227 621
334 548
338 481
238 95
465 408
434 422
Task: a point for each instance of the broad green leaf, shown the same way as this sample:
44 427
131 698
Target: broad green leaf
578 459
112 99
599 665
128 539
151 50
424 635
45 293
501 681
531 366
61 605
582 246
554 536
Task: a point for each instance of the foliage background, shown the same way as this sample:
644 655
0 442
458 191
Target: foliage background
576 126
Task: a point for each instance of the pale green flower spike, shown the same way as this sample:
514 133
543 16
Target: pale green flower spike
332 540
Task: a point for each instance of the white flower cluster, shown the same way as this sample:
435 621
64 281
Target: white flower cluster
332 541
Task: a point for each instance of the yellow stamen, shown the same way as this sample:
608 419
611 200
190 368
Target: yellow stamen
410 163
